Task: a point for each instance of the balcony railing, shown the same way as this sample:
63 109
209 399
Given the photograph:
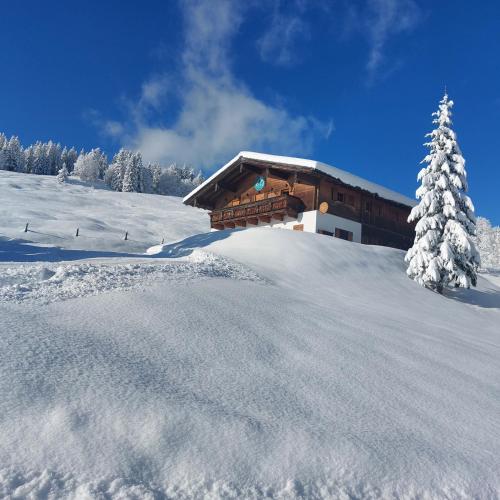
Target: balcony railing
264 210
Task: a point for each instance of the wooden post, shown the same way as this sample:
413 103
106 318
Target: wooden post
126 235
26 228
162 241
77 232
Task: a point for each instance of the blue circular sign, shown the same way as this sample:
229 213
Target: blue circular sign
259 185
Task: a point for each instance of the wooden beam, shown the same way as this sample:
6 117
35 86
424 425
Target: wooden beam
265 218
225 186
277 173
241 223
253 220
245 167
218 226
229 225
278 216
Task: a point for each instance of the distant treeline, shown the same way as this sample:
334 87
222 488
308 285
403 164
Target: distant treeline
125 172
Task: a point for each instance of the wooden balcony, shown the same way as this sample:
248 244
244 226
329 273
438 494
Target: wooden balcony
276 208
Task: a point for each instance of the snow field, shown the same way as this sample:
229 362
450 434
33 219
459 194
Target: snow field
287 365
54 212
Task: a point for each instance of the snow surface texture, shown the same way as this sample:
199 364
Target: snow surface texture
347 177
323 379
44 283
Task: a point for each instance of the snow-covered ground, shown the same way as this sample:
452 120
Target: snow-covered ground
257 363
55 211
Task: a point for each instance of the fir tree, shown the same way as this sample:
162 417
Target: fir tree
132 173
62 175
443 252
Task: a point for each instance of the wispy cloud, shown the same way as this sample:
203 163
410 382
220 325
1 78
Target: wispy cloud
218 114
382 19
278 43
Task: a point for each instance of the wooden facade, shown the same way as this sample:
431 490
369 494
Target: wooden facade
290 190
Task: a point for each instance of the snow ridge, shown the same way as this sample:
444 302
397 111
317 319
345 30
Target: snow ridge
45 283
51 485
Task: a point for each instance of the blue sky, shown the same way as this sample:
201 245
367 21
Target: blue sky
351 83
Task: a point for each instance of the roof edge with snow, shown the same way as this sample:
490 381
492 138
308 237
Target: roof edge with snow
337 173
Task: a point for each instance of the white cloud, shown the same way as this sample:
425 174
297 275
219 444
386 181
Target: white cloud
278 43
220 119
153 91
113 128
383 19
218 114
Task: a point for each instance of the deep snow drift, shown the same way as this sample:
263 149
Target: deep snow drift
314 368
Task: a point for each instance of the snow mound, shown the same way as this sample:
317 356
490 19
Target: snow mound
45 283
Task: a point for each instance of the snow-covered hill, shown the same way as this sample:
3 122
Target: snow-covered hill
257 363
54 212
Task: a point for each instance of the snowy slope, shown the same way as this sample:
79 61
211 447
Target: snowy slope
54 211
246 364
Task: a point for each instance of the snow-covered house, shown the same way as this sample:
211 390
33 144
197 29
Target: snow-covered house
255 189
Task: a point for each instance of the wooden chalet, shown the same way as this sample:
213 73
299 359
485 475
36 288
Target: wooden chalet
255 189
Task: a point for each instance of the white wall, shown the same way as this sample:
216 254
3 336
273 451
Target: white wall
328 222
314 220
308 219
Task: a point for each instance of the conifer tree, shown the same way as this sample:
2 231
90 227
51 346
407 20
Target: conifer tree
62 175
443 253
132 173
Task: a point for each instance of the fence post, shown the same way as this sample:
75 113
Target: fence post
77 232
162 241
126 235
26 228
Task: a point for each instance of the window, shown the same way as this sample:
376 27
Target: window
340 197
322 231
343 234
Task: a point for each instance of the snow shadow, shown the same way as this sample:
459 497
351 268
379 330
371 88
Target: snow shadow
185 247
13 250
488 299
95 185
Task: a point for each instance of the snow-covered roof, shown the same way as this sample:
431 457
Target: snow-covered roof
345 177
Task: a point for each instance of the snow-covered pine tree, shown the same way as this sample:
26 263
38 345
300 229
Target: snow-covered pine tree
87 167
101 159
53 155
132 173
70 159
11 155
62 175
488 243
443 252
155 174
